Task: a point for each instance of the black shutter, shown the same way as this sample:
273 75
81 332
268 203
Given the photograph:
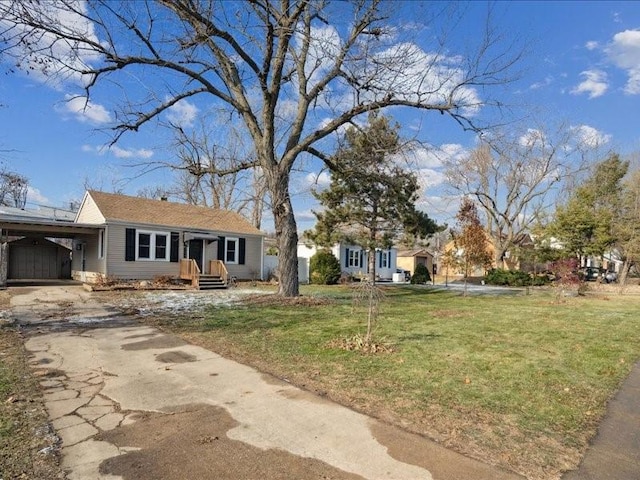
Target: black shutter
361 258
130 245
346 258
242 250
175 241
379 258
221 245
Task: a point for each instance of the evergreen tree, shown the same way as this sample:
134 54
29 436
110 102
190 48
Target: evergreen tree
324 268
586 224
371 199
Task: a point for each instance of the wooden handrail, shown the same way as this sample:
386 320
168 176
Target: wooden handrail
218 268
189 270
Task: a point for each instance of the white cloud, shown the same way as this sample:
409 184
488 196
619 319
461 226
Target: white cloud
305 215
430 178
439 208
429 157
34 196
624 52
325 43
318 180
130 153
595 83
591 45
418 76
85 110
531 138
182 113
119 152
548 80
590 137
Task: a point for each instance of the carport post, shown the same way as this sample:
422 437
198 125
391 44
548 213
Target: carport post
4 262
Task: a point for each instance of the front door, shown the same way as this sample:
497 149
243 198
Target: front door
196 249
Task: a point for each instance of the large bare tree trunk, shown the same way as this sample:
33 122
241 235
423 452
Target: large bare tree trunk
286 233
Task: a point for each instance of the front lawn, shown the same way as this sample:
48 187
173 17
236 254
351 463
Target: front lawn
518 381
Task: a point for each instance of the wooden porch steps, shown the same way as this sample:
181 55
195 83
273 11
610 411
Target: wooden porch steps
210 282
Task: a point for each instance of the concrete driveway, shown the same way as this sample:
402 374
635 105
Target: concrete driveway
129 401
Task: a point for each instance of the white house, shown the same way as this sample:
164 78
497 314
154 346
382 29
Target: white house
354 260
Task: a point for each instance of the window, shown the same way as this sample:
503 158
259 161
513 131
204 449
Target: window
144 245
354 258
152 246
384 259
231 250
161 246
101 244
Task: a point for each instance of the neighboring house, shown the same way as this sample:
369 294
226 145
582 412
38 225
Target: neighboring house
354 260
139 238
612 262
409 259
511 260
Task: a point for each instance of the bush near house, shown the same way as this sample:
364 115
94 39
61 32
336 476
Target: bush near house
324 268
514 278
421 275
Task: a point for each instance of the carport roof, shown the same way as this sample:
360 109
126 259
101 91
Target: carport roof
25 226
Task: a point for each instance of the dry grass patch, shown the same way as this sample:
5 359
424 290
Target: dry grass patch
27 442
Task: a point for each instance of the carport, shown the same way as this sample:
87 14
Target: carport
27 254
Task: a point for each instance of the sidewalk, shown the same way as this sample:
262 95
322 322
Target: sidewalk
615 452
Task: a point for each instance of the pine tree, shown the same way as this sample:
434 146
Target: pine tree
371 199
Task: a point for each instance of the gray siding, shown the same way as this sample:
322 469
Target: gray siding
147 270
253 260
93 266
140 269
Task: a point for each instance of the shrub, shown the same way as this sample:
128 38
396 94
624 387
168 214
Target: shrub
513 278
421 275
324 268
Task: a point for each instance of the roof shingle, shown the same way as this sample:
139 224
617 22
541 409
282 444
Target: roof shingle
157 212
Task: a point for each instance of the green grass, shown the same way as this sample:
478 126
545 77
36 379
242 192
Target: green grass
518 380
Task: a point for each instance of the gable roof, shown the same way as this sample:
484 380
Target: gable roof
123 208
418 252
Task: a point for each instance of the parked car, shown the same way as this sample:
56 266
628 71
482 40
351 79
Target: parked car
589 274
609 277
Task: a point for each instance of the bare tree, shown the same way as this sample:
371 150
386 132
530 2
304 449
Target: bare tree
13 189
156 192
224 176
513 179
293 71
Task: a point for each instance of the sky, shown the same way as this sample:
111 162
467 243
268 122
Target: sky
581 67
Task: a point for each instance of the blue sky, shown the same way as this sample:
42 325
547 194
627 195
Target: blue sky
582 67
